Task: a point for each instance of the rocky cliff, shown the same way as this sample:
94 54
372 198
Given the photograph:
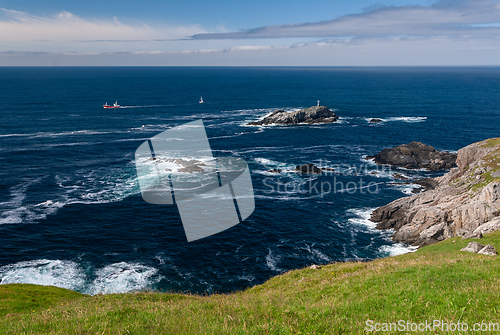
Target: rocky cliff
311 115
465 201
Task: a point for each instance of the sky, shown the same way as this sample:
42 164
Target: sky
250 33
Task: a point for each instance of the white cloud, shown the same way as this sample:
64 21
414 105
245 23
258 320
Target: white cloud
20 29
467 19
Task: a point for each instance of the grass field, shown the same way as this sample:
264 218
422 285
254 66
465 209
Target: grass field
437 282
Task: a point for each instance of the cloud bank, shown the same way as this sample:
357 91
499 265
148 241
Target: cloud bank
63 30
448 32
467 19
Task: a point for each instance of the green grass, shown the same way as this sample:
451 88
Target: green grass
436 282
25 298
492 142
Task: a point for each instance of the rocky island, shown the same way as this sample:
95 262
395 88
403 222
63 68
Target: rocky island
311 115
416 155
463 202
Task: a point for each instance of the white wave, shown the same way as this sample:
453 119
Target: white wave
146 106
54 134
396 249
405 188
16 135
104 185
269 164
316 254
114 278
123 277
342 120
14 210
408 119
248 278
258 149
226 136
362 217
272 261
65 274
282 197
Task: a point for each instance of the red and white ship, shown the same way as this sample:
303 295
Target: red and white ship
115 105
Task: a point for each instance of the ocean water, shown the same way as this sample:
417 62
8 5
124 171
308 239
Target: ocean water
71 213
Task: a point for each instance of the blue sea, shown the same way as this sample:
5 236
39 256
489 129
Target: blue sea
71 212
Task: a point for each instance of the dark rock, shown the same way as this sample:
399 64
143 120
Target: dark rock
427 183
471 235
400 176
416 155
375 120
274 170
417 190
308 168
311 115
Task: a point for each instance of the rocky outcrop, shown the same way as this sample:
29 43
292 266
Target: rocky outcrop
311 115
376 120
308 168
275 171
473 247
416 155
464 201
488 250
478 248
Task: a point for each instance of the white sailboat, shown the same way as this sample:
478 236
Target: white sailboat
201 100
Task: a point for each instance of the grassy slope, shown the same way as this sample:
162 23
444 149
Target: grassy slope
436 282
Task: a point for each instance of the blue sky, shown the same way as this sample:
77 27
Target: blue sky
292 33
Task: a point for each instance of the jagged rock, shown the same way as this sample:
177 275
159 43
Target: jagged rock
308 168
427 183
416 155
457 204
471 235
400 176
274 170
417 190
375 120
473 247
488 250
488 227
437 232
311 115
